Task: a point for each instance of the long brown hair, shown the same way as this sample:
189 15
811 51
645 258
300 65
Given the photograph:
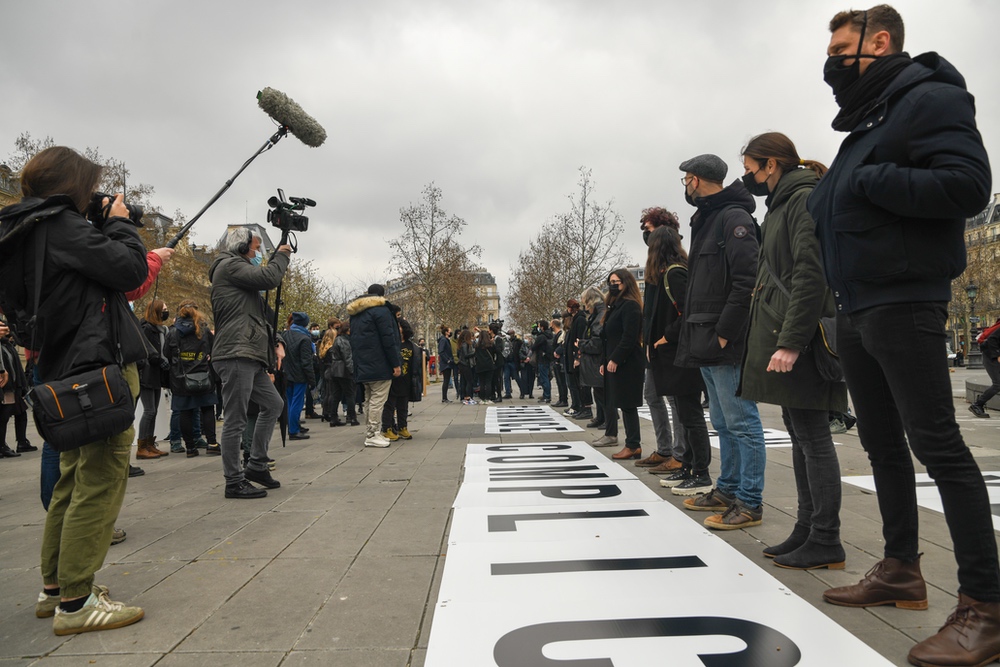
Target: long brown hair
664 250
190 310
154 312
776 146
629 291
325 343
61 171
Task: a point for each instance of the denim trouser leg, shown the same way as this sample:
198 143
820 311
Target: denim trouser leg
817 473
741 436
893 384
543 380
660 416
150 397
295 394
992 367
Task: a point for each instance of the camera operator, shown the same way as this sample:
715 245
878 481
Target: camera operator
83 264
243 352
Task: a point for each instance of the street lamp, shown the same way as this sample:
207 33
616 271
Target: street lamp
975 356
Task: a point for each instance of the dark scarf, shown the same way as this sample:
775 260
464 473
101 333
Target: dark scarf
858 99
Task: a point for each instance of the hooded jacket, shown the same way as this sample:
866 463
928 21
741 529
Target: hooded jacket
187 353
299 352
722 268
375 340
85 274
241 328
891 211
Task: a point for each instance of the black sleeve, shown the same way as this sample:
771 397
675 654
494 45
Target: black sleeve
678 279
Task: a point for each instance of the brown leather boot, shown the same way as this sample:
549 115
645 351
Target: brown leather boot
891 581
145 450
970 637
154 448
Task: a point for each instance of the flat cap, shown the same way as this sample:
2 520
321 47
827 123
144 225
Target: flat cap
707 166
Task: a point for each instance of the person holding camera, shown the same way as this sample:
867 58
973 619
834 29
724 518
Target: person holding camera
243 352
61 273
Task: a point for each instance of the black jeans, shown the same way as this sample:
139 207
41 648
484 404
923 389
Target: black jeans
993 370
446 375
630 417
485 385
817 473
698 454
467 380
341 389
599 413
394 412
896 365
207 425
560 375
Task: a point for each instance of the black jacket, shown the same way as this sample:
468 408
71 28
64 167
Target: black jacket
891 211
446 359
622 335
298 363
542 347
375 340
573 335
86 273
153 375
722 268
991 346
592 348
187 353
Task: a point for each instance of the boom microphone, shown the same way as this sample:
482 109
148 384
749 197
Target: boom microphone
287 113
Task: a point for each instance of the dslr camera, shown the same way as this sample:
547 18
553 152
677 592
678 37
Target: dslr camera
284 213
97 211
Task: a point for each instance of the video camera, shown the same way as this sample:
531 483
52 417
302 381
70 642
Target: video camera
283 213
496 326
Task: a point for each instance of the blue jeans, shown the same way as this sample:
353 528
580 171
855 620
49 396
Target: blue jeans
741 437
543 380
295 394
175 426
509 369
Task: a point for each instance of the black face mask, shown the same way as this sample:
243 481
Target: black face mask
645 236
841 78
614 290
166 314
755 188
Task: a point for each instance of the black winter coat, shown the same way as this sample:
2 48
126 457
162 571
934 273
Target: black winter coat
299 363
722 268
375 339
592 349
661 319
622 344
86 273
446 359
891 211
153 376
188 355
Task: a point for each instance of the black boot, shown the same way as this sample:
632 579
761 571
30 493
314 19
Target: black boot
813 556
798 537
25 446
6 452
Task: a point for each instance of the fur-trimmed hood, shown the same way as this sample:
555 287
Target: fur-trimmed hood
363 303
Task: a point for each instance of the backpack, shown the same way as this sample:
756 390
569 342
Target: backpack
986 333
508 348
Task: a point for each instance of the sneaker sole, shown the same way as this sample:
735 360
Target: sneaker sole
62 632
97 589
374 444
669 484
725 526
712 508
693 491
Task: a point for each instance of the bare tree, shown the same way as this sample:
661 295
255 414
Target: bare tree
428 256
573 251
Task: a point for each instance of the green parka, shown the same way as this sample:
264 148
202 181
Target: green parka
790 247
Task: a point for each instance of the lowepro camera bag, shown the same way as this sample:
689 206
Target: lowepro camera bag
83 408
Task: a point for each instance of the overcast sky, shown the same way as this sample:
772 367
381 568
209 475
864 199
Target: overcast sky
498 103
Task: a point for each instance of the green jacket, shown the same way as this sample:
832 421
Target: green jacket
790 248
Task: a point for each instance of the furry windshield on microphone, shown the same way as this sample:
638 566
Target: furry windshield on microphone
286 112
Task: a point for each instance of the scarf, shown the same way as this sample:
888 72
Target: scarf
857 100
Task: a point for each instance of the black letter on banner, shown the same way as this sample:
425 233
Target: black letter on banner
517 448
503 523
602 491
764 645
567 472
600 565
536 458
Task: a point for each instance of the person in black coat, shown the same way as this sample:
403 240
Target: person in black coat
406 387
625 366
299 370
153 378
188 353
991 362
446 361
485 365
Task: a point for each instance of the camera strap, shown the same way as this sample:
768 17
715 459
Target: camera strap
39 271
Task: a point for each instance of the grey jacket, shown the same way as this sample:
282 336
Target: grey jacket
241 328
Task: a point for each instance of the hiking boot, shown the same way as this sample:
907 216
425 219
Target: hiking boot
117 536
146 451
404 433
244 489
390 435
979 411
890 581
98 613
46 605
605 441
813 556
668 467
670 481
377 440
262 477
713 501
737 516
970 636
176 447
693 485
652 460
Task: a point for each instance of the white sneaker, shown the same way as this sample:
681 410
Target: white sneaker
377 440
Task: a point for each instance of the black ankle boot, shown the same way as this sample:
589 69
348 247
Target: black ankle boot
813 556
798 537
6 452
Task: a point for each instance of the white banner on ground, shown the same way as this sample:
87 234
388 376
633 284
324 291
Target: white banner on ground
527 419
927 491
550 562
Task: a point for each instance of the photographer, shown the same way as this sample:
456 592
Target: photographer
242 353
83 264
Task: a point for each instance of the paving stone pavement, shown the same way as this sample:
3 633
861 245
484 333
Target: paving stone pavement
341 565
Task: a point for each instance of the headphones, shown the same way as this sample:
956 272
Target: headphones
244 247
